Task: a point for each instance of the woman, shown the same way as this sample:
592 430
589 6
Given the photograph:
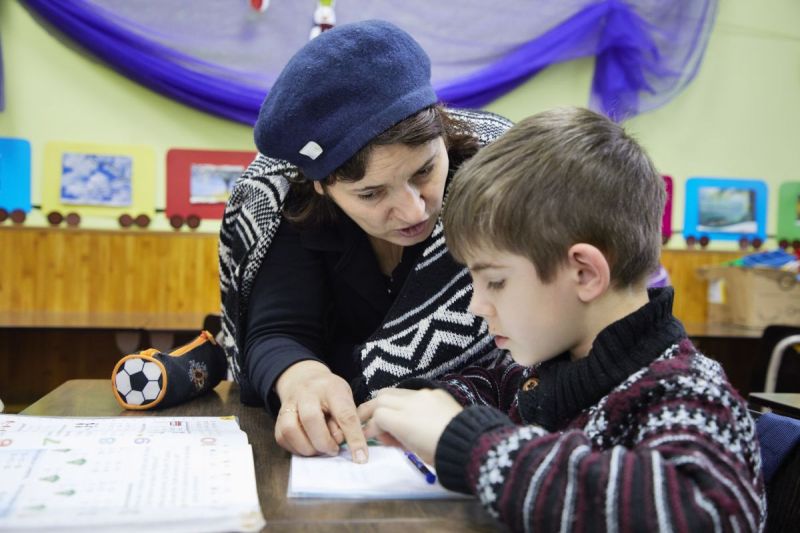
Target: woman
334 274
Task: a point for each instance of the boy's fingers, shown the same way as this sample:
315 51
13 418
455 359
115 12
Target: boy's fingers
388 440
393 392
365 410
372 430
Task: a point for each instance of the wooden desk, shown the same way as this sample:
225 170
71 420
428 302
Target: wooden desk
91 397
782 402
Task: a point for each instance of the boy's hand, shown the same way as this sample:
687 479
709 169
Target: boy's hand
412 419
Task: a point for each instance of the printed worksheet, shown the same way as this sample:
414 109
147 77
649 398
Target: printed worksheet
20 431
130 473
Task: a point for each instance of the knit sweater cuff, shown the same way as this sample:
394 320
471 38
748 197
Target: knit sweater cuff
420 383
454 450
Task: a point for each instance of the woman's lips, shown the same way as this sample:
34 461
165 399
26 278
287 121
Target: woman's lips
500 341
415 230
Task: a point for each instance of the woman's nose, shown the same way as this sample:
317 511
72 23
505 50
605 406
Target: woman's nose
410 206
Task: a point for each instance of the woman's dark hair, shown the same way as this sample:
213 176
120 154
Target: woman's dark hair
305 208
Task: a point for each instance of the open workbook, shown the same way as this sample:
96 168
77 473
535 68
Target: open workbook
127 474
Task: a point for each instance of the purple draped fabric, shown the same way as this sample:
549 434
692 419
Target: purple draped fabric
221 57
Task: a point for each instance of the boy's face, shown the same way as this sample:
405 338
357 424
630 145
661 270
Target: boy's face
533 320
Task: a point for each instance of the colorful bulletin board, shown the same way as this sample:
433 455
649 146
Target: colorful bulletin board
199 181
725 209
15 174
98 179
666 219
789 211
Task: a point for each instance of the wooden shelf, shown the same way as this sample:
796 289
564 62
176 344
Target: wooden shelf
56 277
83 278
691 291
727 331
91 320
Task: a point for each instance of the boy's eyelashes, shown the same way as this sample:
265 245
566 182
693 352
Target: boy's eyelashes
496 285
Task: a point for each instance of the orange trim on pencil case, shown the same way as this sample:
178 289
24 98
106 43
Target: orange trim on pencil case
146 355
204 337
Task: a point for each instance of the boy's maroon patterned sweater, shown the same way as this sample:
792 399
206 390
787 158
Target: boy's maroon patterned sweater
644 434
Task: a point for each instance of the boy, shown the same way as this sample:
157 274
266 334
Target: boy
608 418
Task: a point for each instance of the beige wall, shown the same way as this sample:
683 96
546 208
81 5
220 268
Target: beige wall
738 118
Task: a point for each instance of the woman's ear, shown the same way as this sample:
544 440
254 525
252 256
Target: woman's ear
318 188
592 273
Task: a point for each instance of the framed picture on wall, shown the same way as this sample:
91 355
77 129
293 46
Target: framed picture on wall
789 212
725 209
15 175
199 183
98 179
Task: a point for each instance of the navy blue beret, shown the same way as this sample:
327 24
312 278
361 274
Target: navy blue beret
340 91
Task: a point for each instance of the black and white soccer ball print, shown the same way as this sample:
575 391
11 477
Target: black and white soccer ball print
138 381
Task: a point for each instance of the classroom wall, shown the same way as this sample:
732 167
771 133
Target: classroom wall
738 118
54 91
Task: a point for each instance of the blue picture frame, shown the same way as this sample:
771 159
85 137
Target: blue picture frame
724 209
15 174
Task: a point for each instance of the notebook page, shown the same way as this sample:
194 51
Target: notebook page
388 475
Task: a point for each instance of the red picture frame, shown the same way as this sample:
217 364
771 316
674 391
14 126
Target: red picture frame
179 170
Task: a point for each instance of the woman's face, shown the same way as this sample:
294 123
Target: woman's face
400 196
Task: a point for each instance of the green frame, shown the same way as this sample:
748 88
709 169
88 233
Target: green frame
789 211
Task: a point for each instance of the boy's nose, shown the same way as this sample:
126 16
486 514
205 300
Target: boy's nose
478 306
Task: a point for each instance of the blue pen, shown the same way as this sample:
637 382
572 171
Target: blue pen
430 477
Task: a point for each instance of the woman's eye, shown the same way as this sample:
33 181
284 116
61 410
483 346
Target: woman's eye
496 285
367 196
424 172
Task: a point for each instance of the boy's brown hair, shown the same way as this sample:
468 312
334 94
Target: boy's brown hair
561 177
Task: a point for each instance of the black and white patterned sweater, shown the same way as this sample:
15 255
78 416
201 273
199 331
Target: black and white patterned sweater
427 332
644 434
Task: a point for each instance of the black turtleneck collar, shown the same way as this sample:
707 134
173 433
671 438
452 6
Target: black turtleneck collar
568 387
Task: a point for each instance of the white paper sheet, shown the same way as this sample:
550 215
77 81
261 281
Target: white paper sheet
387 475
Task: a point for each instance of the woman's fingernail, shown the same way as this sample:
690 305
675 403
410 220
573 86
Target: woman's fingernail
361 457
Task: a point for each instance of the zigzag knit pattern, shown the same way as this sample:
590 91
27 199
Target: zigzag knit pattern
428 330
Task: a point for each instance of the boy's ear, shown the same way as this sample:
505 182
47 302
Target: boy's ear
318 188
590 269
